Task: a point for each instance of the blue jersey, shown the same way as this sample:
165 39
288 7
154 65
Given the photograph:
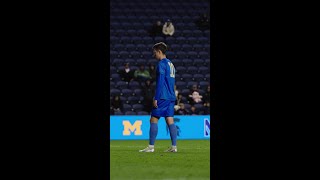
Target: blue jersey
165 80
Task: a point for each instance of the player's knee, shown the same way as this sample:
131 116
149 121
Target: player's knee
154 119
169 120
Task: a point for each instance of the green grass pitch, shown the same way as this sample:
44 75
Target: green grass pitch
191 162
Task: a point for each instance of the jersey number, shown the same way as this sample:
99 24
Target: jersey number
172 70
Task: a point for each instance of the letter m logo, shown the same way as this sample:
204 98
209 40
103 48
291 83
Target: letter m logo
129 128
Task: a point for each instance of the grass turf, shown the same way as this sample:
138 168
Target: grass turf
192 161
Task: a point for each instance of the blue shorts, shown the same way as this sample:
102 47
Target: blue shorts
165 108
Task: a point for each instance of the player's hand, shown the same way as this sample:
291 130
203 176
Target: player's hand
155 103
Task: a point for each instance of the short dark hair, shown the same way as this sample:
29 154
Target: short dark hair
160 46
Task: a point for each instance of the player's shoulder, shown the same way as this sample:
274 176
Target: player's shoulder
164 61
167 60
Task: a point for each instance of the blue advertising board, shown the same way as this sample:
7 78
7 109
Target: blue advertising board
137 127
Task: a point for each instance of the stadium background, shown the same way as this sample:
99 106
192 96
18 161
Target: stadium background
189 50
131 42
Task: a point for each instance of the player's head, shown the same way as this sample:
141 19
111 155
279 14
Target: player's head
159 50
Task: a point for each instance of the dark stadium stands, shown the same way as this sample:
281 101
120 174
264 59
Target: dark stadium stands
130 42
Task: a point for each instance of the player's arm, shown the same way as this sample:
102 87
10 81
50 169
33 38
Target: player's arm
160 81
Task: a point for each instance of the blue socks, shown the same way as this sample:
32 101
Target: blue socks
173 134
153 133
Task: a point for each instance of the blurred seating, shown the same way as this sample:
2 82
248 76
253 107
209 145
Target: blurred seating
188 48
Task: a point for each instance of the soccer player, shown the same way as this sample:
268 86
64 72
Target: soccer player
164 99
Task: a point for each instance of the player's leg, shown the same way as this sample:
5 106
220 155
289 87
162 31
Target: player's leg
173 134
172 128
153 130
155 116
152 134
